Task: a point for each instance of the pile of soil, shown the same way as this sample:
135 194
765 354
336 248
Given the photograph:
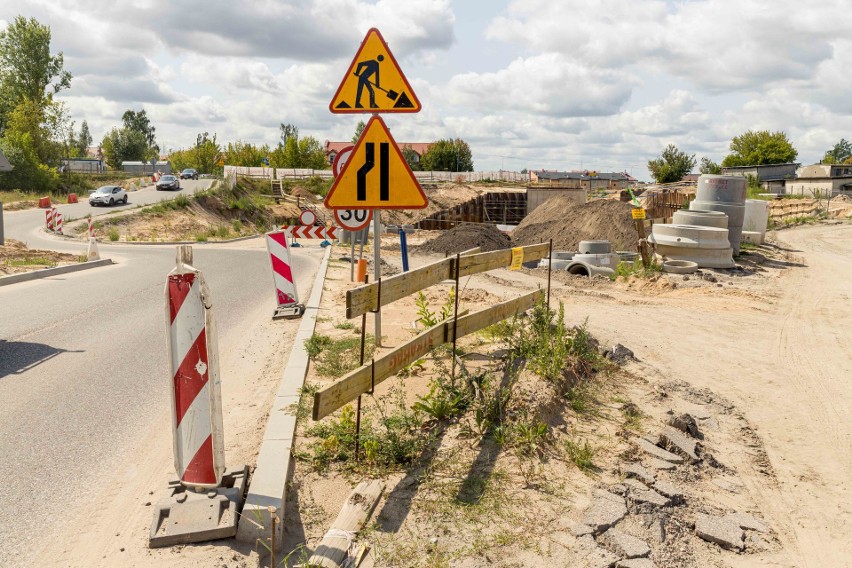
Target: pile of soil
303 193
34 259
467 236
568 223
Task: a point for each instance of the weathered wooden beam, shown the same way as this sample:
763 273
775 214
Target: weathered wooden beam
361 380
365 298
334 546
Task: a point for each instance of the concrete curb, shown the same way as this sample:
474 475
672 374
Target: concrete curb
159 243
268 486
47 272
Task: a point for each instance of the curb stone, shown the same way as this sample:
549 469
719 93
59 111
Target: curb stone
48 272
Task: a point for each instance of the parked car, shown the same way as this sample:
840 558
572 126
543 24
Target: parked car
189 173
168 182
107 195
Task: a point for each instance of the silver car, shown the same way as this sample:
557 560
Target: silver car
107 195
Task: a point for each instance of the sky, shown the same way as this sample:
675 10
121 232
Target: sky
538 84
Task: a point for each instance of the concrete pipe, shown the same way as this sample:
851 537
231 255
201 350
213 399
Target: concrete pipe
752 237
606 260
563 255
756 216
585 269
680 266
721 189
557 264
627 256
595 247
700 218
735 213
706 246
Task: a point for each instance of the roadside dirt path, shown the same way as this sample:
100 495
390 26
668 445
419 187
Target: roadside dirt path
786 364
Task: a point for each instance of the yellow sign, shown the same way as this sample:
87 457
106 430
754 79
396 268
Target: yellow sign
517 258
376 176
374 82
638 213
221 163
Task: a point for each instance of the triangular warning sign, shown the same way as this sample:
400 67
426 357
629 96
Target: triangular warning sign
376 175
374 82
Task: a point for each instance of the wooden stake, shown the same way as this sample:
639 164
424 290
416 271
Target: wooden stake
334 547
643 242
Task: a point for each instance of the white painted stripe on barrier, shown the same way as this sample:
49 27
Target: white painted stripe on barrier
188 324
195 428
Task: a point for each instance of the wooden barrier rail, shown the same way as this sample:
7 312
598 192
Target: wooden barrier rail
365 298
362 379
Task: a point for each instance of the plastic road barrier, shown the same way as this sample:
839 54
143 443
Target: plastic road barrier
48 218
57 222
286 295
196 389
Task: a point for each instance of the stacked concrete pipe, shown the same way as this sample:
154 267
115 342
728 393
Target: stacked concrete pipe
726 194
595 257
706 246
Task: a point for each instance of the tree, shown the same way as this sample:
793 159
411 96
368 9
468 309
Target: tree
139 122
27 69
28 144
83 140
411 157
672 165
358 130
708 166
125 145
288 131
754 148
448 155
840 154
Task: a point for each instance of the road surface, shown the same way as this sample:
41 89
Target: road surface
84 372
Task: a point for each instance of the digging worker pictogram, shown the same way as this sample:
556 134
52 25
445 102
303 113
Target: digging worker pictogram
364 71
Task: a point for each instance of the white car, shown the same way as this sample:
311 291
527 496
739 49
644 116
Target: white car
107 195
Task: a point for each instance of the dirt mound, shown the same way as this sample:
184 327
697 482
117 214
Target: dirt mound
568 223
303 193
467 236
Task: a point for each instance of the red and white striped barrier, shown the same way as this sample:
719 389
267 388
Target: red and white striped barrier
48 218
311 232
196 391
286 295
91 228
57 222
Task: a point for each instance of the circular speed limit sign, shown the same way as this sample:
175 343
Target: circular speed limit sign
340 160
353 219
307 218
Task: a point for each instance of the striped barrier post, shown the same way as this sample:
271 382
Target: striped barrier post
196 390
91 228
286 295
57 222
48 218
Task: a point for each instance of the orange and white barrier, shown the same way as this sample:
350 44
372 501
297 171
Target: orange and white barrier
196 389
310 232
57 222
286 295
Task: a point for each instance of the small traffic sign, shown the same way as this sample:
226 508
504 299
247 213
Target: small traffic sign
307 218
340 160
308 232
376 175
353 219
637 213
374 82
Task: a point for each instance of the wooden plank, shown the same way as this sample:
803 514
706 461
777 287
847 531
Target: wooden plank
334 546
359 381
364 298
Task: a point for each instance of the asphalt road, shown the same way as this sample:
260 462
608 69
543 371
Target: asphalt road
83 365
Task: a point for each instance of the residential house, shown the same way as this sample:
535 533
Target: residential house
819 179
589 180
83 165
772 177
334 148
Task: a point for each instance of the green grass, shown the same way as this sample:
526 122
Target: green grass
31 261
636 268
113 234
581 454
334 357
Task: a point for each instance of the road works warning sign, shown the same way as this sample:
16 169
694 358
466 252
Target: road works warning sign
374 82
376 176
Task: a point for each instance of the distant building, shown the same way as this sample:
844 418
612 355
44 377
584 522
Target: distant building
83 165
145 168
586 179
821 178
772 177
334 148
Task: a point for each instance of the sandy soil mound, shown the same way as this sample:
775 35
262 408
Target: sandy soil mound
467 236
16 257
303 193
568 223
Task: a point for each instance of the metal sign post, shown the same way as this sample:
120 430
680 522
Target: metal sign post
377 269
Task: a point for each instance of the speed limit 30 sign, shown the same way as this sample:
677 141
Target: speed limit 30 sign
353 219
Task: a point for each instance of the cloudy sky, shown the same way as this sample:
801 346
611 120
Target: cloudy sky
565 84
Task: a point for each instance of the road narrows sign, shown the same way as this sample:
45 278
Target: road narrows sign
376 175
374 82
